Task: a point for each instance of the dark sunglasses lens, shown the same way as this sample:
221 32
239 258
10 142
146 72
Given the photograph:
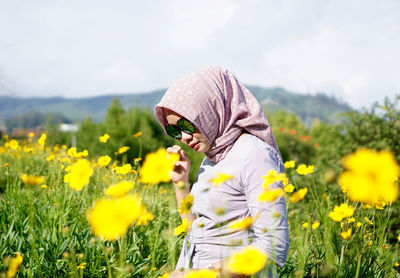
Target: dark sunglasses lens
186 126
173 131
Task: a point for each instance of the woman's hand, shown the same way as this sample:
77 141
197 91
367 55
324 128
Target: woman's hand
182 167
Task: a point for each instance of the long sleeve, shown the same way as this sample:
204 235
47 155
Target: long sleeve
270 218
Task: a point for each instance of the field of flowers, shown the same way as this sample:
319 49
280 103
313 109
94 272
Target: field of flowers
65 212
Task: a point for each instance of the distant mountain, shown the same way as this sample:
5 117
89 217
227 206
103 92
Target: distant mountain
307 107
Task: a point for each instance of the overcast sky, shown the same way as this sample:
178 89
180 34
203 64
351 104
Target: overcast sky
75 48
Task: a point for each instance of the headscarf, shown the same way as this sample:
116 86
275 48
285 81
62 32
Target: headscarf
219 106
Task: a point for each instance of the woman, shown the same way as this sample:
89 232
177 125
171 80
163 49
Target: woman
213 113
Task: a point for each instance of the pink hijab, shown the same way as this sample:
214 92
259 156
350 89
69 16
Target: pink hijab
219 106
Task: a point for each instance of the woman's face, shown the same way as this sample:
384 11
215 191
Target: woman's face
196 140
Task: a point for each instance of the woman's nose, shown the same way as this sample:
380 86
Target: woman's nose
186 136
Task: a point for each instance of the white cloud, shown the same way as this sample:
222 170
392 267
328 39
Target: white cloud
77 48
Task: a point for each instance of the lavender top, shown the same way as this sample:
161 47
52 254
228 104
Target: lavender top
211 240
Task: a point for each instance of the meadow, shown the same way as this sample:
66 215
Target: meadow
67 211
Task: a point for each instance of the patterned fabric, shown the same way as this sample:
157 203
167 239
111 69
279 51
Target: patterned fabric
219 106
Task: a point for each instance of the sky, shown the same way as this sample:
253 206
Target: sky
82 48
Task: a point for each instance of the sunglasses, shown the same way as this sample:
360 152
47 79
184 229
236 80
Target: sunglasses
181 125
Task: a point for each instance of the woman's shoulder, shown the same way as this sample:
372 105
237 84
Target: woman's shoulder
252 149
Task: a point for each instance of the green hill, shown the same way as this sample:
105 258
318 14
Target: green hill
307 107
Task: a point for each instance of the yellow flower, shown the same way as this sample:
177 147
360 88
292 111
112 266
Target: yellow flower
32 180
104 138
202 273
220 179
270 195
346 234
289 188
31 134
123 149
50 157
341 212
84 153
380 205
369 242
123 170
137 134
137 160
240 225
157 165
368 221
248 261
271 177
119 189
305 225
14 265
28 150
42 139
350 220
80 174
398 238
104 160
186 204
315 225
358 224
13 144
298 195
304 169
385 246
44 186
289 164
396 264
143 219
110 219
81 266
71 152
369 176
165 275
182 228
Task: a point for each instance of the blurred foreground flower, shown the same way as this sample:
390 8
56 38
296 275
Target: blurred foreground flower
202 273
220 178
14 265
119 189
182 228
110 219
270 195
79 175
298 195
32 180
156 167
369 177
341 212
241 225
186 204
248 261
304 169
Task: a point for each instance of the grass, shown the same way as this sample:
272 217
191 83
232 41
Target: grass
48 226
